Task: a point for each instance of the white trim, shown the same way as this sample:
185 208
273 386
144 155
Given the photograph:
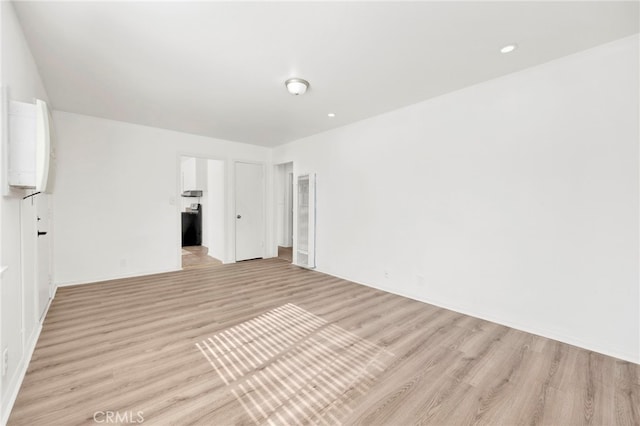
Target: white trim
21 371
102 278
226 237
4 141
549 334
178 213
273 244
2 420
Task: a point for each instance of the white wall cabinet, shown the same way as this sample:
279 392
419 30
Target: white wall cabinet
29 145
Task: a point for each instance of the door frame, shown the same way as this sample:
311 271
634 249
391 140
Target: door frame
293 200
264 206
288 204
177 201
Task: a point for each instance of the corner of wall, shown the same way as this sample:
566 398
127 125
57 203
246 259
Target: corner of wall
20 79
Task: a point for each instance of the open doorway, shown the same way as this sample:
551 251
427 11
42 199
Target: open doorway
284 210
202 212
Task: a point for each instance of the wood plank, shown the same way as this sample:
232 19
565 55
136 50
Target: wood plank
302 347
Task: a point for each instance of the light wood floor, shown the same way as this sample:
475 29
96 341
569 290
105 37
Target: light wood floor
285 253
197 257
263 340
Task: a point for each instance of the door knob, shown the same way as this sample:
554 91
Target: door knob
41 233
238 217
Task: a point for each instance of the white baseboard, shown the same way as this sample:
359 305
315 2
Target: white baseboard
21 371
98 279
549 334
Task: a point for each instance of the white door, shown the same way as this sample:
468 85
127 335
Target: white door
43 266
35 253
29 254
249 191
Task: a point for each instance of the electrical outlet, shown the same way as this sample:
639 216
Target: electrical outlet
5 361
387 274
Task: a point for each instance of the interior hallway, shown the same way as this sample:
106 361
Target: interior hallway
198 257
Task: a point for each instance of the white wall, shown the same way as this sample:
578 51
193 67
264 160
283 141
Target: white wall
201 184
283 205
117 196
215 213
201 174
188 167
20 77
515 200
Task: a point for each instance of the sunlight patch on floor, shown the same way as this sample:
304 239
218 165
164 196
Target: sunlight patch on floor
289 366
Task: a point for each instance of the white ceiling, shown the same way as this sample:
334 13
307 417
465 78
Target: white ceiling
218 69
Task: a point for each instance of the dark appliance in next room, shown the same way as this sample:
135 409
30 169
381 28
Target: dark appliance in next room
192 225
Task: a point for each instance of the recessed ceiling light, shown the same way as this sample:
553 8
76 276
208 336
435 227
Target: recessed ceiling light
509 48
331 115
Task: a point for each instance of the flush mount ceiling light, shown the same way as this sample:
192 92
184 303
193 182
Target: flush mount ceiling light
331 114
297 86
509 48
